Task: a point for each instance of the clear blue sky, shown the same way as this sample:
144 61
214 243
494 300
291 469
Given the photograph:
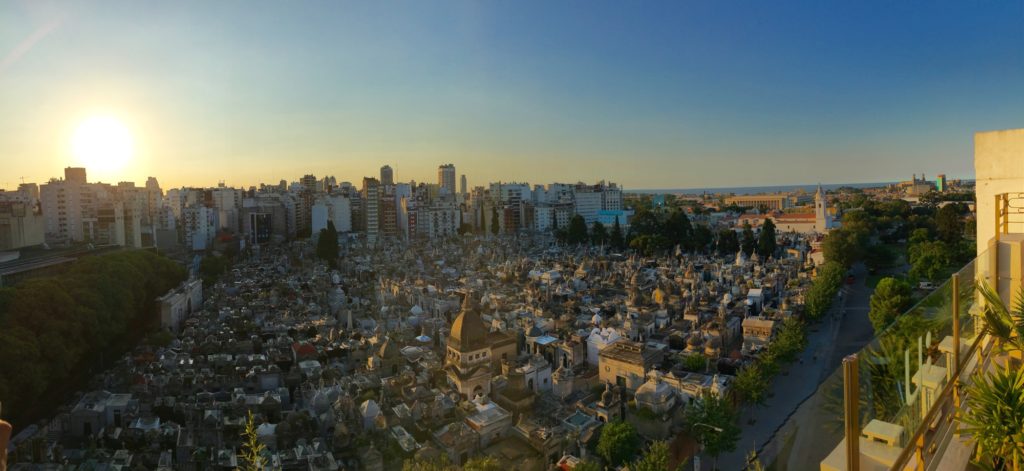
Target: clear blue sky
649 94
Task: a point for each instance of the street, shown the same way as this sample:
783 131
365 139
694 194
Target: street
846 329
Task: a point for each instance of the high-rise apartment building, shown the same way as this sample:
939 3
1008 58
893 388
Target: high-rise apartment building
371 208
68 206
387 176
446 179
308 182
463 187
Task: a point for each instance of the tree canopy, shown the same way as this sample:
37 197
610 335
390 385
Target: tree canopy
728 242
598 234
656 458
747 240
616 238
577 232
766 240
949 224
712 421
49 325
890 299
495 225
327 244
842 246
618 442
818 299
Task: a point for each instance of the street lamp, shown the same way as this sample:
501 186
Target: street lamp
696 458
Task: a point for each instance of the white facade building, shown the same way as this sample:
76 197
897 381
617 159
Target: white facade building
598 340
200 224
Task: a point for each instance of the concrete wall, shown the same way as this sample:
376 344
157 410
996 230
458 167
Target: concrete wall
998 168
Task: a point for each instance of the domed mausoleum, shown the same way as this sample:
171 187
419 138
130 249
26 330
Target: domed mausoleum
473 352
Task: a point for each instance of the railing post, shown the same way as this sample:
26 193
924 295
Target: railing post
920 453
999 216
956 347
1006 213
851 411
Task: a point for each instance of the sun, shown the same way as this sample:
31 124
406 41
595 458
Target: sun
103 143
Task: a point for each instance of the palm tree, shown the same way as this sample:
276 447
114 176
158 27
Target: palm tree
994 417
1006 325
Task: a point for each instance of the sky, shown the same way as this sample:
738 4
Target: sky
676 94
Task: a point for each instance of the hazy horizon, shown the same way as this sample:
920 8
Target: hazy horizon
663 95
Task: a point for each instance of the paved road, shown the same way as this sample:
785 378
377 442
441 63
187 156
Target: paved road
846 329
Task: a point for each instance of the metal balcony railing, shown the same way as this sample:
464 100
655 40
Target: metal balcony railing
1009 213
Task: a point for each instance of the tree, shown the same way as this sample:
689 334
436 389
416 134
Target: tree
752 384
440 464
918 236
712 422
747 241
695 362
949 224
645 222
483 463
495 226
766 241
656 458
841 246
994 417
587 465
649 244
879 256
577 233
818 298
616 239
251 456
890 299
702 237
789 341
929 260
211 267
49 325
618 442
1004 324
728 242
598 234
465 228
678 229
327 245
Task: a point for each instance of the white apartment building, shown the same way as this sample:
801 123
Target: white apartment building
588 201
20 225
446 178
200 225
67 207
337 209
438 220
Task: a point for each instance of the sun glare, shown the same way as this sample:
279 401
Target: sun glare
102 143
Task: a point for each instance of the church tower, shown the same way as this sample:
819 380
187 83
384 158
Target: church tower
822 220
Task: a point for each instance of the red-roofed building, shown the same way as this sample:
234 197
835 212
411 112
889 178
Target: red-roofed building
304 351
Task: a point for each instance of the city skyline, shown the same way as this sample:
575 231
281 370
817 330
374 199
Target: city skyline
686 95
